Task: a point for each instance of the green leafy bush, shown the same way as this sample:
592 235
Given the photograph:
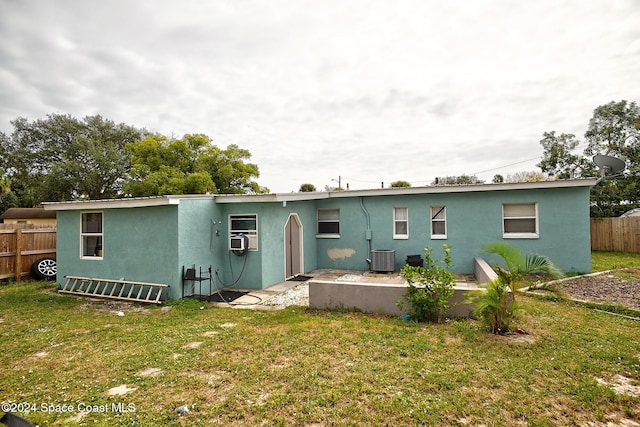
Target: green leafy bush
430 287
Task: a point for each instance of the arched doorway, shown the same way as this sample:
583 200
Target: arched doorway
293 247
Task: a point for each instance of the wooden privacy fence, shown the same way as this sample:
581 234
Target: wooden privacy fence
616 234
23 244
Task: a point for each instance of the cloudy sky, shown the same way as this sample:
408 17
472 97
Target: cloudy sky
367 90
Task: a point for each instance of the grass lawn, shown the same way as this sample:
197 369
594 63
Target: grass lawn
602 261
305 367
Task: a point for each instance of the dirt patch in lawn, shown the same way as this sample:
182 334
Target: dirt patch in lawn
620 287
113 306
622 385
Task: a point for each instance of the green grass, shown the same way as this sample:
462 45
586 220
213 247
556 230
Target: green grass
603 261
305 367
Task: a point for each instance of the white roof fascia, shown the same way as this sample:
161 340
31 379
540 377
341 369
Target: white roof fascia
292 197
274 197
434 189
136 202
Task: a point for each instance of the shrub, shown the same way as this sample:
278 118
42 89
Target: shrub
430 287
518 264
495 306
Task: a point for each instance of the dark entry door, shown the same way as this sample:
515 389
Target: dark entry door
293 246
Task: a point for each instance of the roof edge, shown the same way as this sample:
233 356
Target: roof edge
433 189
135 202
319 195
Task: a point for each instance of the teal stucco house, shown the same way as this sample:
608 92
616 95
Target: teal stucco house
255 241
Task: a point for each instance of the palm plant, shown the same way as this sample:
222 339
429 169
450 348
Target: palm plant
518 264
495 306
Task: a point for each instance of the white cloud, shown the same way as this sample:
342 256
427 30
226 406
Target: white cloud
368 90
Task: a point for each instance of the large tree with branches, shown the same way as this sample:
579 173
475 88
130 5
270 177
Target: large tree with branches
614 130
64 158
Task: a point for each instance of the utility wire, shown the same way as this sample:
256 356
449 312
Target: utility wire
344 178
506 166
474 173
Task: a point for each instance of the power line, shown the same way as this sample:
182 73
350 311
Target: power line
475 173
359 180
506 166
584 144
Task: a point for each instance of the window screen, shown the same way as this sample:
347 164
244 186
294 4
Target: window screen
438 221
328 221
520 218
400 223
91 234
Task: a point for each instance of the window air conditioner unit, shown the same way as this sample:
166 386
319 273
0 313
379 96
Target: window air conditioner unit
238 243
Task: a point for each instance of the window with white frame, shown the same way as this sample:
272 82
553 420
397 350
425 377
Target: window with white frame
438 222
329 222
91 233
246 224
400 223
520 220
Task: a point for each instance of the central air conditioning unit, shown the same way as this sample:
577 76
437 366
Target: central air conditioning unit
383 260
238 242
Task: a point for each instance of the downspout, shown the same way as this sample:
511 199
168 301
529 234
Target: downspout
368 233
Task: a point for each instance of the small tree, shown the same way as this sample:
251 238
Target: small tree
558 158
307 188
397 184
527 176
518 264
494 306
430 287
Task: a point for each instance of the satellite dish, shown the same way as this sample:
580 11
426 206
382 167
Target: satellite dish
609 164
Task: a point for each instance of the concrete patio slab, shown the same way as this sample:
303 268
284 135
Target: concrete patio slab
258 299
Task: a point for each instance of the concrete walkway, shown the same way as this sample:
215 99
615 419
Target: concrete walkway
258 299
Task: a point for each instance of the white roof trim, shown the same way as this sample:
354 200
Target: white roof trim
286 197
136 202
434 189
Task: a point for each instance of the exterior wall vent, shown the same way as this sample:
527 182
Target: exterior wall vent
383 260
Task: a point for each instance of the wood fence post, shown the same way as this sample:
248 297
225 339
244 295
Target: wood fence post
18 263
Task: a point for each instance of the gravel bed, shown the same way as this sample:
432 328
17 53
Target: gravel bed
616 287
351 277
298 295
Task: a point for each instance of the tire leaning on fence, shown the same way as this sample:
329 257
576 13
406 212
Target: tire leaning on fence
44 269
